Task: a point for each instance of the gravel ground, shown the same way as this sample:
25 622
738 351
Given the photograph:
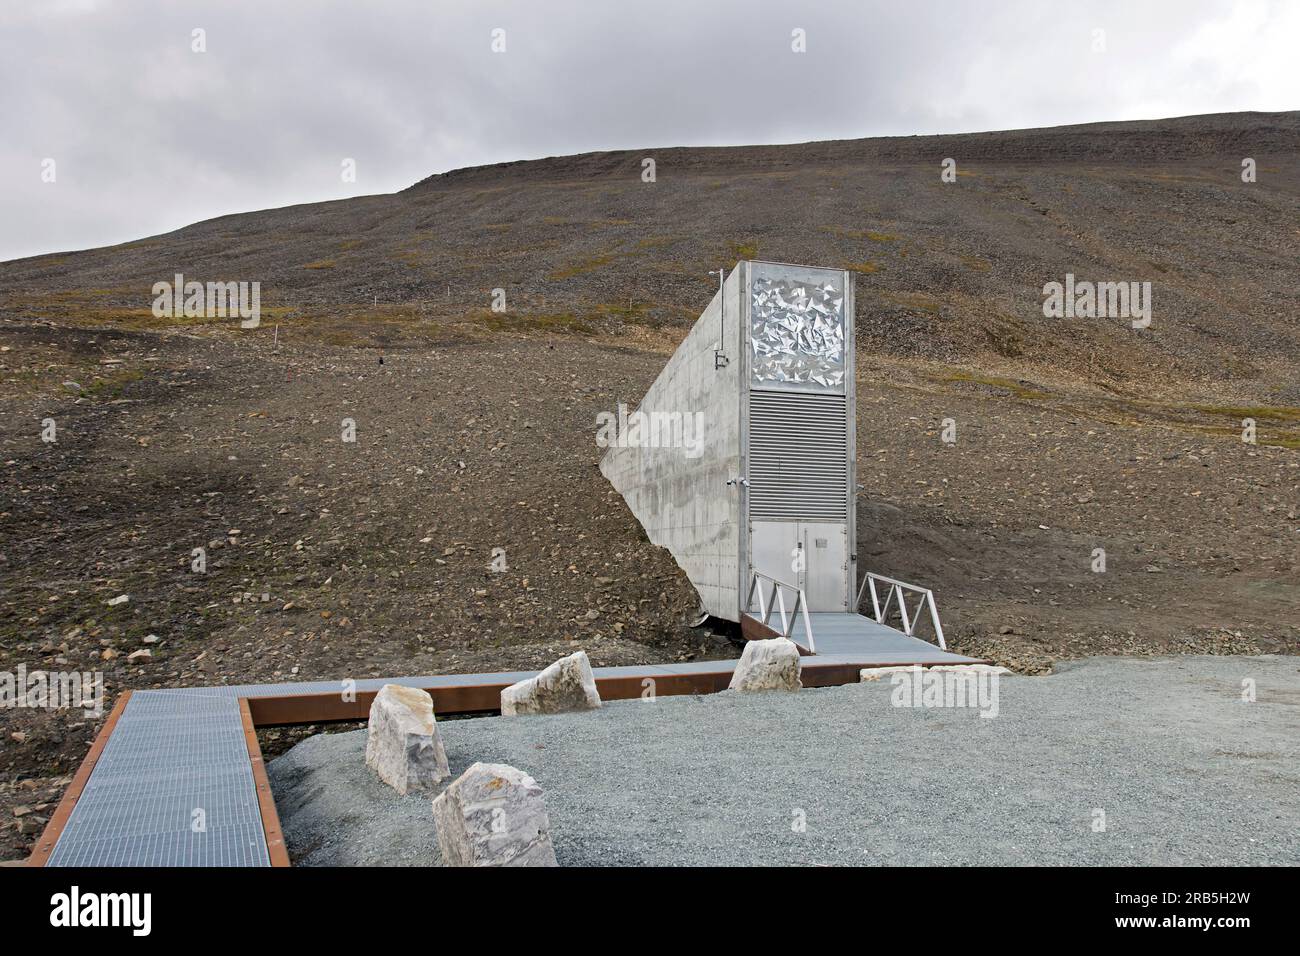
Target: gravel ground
1185 771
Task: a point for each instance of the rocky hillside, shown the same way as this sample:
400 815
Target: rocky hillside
949 271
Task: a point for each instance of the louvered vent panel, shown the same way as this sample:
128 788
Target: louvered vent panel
797 449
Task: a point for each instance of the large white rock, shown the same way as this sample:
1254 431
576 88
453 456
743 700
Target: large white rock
402 743
877 673
568 684
972 668
493 815
767 665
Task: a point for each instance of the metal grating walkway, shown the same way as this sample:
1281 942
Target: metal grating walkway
174 752
839 633
173 787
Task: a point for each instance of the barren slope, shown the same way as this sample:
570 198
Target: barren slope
950 271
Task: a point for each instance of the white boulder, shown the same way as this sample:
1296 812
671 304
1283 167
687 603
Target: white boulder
878 673
767 665
568 684
402 743
493 815
972 668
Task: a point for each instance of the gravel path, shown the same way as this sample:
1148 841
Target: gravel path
1186 772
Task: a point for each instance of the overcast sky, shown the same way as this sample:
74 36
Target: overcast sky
147 135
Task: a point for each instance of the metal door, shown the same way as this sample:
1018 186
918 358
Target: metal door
825 576
811 555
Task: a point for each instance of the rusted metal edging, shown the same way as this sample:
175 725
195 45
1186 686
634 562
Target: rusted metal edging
464 699
63 812
485 698
275 848
752 629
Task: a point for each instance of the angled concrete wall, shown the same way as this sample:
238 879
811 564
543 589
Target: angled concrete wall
683 500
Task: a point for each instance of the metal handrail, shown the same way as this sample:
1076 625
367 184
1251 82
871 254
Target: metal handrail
776 601
900 588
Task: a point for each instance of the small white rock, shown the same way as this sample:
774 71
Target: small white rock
768 665
402 742
493 815
120 599
568 684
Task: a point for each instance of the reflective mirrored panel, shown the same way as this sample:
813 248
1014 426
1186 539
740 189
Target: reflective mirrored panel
796 335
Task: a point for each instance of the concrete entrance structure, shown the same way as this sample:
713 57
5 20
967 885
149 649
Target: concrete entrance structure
759 506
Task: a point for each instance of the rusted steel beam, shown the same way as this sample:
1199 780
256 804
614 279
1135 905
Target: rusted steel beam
485 698
53 829
752 629
829 675
275 848
324 708
460 699
662 685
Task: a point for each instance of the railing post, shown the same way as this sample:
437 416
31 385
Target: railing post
884 608
910 618
902 610
807 624
934 619
776 602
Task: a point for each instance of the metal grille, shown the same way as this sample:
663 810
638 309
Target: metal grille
798 449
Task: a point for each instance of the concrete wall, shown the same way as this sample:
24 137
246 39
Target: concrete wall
685 503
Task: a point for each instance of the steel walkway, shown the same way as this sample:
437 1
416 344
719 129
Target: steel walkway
837 634
174 784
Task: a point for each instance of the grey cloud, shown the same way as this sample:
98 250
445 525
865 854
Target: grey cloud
149 136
